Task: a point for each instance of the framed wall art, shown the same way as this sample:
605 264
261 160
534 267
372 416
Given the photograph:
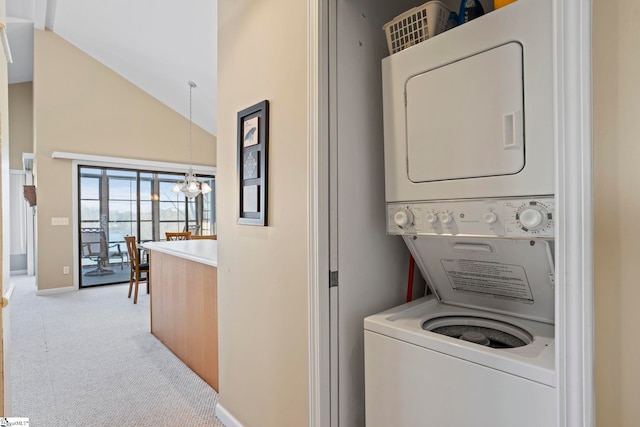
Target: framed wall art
253 148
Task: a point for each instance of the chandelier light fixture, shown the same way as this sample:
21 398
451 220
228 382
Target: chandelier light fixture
190 186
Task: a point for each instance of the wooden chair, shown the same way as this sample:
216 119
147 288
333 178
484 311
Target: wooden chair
137 268
185 235
209 237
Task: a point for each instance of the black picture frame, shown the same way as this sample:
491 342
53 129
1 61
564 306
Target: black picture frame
253 150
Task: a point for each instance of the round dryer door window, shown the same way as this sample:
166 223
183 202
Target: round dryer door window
478 330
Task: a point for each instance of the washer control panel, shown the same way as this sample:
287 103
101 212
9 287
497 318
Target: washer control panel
516 217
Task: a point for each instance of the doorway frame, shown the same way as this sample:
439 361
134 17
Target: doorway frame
575 381
318 213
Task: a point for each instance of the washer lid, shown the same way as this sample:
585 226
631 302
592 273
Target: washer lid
514 277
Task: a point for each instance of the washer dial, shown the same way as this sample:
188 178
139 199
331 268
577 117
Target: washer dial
533 216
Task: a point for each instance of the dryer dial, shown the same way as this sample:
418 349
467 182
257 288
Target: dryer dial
403 217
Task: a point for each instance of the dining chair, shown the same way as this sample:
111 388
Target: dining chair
184 235
137 268
208 237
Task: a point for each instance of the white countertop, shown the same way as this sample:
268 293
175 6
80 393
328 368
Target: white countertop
203 250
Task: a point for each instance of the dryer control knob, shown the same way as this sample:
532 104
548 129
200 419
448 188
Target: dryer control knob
432 218
403 217
446 218
531 218
490 217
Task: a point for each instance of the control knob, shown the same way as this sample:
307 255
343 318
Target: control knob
446 218
533 216
431 218
490 217
403 217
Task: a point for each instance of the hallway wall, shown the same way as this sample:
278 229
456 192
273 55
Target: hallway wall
262 271
616 99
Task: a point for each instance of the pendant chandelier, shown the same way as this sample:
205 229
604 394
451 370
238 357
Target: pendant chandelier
190 186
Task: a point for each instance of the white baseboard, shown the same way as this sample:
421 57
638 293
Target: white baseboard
225 416
18 273
55 290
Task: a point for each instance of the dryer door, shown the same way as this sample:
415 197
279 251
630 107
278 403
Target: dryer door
465 119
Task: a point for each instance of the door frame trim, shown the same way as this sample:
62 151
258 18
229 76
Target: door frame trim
574 190
318 213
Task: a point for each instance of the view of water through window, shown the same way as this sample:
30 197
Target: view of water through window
114 203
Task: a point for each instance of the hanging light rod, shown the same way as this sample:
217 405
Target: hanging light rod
190 186
5 43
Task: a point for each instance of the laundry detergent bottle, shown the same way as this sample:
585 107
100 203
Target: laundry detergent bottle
469 9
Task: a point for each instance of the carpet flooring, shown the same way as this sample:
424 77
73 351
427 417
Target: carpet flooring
87 358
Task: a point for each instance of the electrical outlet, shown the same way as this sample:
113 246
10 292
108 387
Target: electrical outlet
65 269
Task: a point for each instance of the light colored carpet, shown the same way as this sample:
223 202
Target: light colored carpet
87 358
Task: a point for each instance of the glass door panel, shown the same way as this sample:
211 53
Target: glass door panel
114 203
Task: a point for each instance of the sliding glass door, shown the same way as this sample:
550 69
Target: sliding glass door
114 203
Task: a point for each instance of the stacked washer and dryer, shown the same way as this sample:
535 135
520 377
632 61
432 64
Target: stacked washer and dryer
469 171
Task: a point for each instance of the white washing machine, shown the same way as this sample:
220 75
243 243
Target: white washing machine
479 351
418 378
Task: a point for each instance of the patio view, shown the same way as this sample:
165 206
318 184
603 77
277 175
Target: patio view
114 203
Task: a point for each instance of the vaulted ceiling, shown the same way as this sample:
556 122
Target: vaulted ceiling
158 45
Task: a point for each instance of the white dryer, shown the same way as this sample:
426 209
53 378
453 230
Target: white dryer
470 113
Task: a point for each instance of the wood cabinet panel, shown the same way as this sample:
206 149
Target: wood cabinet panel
184 312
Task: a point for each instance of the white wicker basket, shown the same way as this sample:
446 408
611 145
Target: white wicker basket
416 25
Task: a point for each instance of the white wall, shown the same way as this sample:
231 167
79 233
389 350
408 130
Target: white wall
372 266
21 8
20 35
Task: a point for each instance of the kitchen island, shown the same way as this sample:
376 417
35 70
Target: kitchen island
184 306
